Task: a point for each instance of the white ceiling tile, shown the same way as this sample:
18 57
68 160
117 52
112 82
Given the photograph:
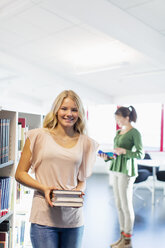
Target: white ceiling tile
124 4
22 28
9 39
95 32
45 20
9 8
152 14
52 6
162 32
5 73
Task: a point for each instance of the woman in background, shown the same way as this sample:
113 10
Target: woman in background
128 147
62 156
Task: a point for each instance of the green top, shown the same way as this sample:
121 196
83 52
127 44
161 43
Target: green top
126 163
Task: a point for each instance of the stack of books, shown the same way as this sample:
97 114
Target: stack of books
67 198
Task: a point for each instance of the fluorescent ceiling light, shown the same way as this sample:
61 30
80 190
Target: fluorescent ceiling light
98 55
112 67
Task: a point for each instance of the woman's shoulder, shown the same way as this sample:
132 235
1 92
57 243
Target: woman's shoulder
118 131
135 131
88 140
85 137
36 132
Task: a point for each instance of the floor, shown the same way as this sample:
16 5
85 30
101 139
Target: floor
101 224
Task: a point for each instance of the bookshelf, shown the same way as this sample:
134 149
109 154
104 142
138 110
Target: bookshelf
9 163
24 200
6 217
18 214
7 169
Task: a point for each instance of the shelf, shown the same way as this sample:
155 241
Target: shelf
10 162
6 216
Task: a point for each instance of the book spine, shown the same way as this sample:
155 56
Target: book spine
3 141
0 141
4 239
4 195
67 192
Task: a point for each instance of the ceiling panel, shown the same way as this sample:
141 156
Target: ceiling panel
9 40
45 20
152 14
4 73
10 8
22 28
125 4
162 32
52 6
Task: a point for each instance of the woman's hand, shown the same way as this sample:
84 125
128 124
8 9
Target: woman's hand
81 187
48 193
82 193
103 155
119 150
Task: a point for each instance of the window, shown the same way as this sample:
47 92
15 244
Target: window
149 123
101 123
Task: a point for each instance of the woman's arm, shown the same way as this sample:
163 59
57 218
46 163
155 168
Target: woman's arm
81 185
24 178
137 153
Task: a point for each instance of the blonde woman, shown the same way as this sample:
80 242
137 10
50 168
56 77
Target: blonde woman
61 156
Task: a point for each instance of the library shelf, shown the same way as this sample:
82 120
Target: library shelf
9 163
6 216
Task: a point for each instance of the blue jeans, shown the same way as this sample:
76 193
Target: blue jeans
53 237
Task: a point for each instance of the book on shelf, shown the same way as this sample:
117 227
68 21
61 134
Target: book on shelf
4 195
67 198
4 240
21 133
22 129
4 140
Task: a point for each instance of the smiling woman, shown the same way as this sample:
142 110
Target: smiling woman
66 99
62 157
68 113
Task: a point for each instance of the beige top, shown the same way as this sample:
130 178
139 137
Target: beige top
60 167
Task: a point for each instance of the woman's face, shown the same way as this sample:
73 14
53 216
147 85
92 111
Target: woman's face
122 121
67 113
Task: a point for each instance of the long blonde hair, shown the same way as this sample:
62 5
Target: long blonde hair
51 121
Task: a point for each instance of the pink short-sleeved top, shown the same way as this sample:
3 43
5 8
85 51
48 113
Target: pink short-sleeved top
60 167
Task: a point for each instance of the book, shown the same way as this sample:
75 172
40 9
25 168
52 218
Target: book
67 198
4 140
68 204
4 195
4 239
21 130
110 155
19 136
67 192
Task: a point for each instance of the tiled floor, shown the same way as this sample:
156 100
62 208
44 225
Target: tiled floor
101 225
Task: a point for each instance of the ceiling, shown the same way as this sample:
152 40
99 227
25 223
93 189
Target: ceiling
108 51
